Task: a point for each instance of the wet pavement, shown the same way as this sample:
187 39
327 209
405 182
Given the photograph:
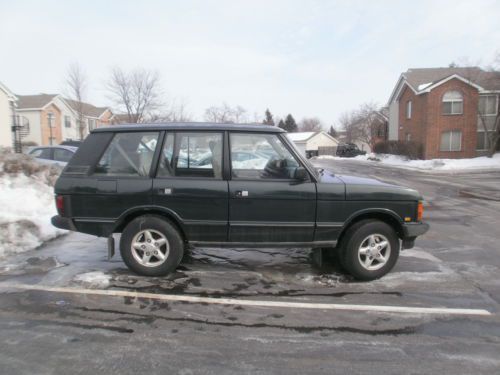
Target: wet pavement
455 265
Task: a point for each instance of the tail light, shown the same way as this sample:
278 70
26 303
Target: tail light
420 211
60 204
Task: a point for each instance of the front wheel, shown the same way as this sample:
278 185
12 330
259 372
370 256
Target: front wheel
370 249
151 246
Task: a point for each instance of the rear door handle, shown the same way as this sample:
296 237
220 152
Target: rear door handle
242 193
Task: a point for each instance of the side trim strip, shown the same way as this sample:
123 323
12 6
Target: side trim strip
93 220
293 224
329 224
205 222
265 244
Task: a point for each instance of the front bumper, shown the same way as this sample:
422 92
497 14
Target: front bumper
63 223
412 231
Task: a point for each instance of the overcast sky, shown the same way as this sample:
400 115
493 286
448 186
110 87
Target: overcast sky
308 58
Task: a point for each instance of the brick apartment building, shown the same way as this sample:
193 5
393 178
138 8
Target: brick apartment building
445 110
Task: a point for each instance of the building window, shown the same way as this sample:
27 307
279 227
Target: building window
451 141
408 109
408 137
91 124
453 103
488 105
67 121
51 120
483 141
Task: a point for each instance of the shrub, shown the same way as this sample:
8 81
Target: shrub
410 149
16 164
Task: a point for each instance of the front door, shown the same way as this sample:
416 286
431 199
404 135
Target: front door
189 183
266 203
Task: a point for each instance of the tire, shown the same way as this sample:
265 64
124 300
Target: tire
363 260
151 246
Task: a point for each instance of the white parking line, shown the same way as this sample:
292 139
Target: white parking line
244 302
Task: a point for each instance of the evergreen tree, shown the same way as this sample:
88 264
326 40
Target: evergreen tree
333 132
269 118
290 124
281 124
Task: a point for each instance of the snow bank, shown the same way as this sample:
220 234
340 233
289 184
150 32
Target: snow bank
26 203
482 162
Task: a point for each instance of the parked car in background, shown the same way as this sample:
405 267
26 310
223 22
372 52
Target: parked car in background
349 150
160 204
59 155
72 143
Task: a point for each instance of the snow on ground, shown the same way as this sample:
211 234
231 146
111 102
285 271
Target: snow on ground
93 280
26 203
433 164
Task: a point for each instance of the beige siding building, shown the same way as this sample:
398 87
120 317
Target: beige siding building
7 105
53 119
309 143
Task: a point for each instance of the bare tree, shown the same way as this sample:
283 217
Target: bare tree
362 124
176 112
240 114
226 114
137 93
489 119
311 124
76 87
488 110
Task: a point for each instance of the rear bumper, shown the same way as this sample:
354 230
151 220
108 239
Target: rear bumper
63 223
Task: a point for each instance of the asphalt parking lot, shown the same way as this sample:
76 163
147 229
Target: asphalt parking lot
85 314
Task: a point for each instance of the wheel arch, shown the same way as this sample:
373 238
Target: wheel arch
136 212
385 215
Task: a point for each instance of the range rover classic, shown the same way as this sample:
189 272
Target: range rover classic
167 186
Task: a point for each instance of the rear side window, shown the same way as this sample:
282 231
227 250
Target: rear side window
41 153
128 154
61 154
192 155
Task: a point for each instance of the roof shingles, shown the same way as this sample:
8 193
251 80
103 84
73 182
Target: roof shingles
426 76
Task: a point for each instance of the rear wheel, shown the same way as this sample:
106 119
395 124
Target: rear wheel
370 249
151 246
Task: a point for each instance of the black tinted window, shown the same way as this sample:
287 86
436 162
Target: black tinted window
61 154
129 154
261 156
192 155
41 153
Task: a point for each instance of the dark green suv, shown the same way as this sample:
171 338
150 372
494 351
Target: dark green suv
164 186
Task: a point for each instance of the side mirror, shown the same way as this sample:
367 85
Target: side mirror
301 174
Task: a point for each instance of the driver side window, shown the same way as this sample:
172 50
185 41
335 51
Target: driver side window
261 156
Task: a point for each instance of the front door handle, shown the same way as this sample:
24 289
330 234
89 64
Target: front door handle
242 193
165 191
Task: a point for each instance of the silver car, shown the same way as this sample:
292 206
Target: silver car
59 155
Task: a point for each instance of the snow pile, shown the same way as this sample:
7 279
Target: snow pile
27 203
482 162
93 280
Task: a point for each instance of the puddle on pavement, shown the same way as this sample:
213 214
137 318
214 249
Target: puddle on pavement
230 273
31 266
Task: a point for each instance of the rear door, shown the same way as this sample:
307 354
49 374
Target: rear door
119 181
266 203
189 183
